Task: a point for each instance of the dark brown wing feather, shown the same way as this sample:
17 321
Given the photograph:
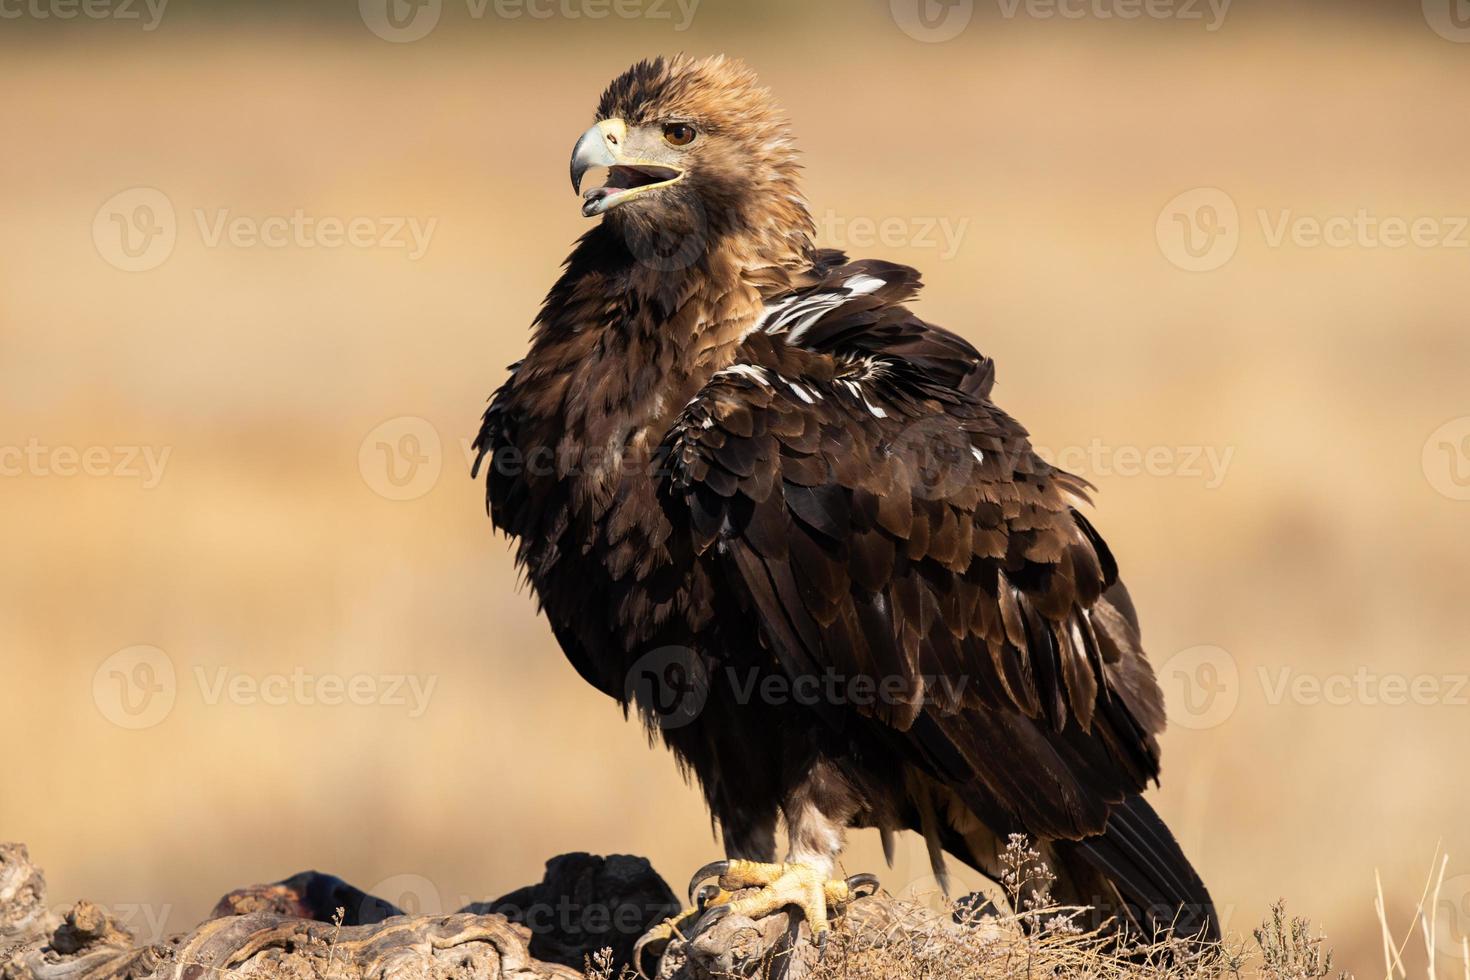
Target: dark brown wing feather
885 520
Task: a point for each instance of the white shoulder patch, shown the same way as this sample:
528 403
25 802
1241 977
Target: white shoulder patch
802 393
752 372
862 285
794 315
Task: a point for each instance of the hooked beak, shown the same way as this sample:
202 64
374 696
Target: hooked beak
603 146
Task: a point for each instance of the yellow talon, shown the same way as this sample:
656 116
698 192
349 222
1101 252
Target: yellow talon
782 885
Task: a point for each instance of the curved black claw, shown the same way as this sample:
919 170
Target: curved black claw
708 921
705 895
862 881
714 869
639 946
822 938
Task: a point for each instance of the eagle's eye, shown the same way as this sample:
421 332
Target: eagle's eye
679 134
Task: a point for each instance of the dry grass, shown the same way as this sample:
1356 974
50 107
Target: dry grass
1041 940
1037 938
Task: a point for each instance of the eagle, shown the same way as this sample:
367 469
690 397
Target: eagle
778 516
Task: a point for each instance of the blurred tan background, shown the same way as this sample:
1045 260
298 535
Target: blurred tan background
252 616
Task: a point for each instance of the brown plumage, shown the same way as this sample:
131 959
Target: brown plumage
732 455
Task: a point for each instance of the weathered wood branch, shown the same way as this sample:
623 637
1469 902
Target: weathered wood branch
314 926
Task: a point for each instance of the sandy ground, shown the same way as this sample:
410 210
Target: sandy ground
264 626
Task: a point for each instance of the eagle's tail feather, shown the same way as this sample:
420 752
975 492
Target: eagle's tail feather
1158 892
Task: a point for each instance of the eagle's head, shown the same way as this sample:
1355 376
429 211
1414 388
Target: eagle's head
692 141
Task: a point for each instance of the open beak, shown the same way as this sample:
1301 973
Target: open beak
603 146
